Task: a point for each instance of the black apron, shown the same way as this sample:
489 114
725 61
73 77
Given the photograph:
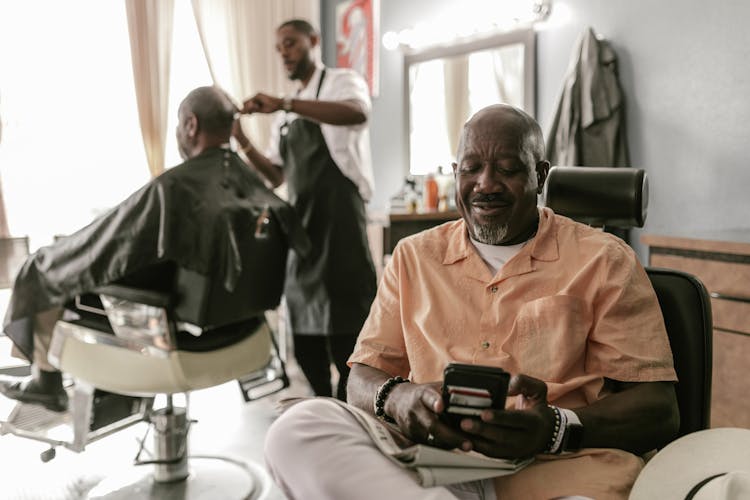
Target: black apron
330 291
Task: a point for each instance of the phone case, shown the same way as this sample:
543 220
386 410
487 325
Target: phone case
469 389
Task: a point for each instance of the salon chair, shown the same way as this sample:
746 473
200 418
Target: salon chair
618 197
164 331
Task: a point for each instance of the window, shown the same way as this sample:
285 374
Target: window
71 145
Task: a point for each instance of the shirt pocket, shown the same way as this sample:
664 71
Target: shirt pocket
550 337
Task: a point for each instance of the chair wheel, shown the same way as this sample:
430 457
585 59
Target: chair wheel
48 455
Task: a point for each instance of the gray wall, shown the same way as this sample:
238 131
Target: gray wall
685 69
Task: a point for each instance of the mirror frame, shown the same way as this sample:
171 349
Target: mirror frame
526 36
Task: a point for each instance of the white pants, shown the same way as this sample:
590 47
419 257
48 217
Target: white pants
317 451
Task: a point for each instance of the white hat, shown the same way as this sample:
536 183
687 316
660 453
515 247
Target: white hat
708 464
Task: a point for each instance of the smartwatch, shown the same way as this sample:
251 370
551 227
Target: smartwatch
286 104
573 435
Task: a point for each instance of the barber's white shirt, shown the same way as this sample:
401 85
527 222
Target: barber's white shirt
349 145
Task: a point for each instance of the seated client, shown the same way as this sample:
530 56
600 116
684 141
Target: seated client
195 216
565 308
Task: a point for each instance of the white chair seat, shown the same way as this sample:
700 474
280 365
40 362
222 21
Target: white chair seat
144 371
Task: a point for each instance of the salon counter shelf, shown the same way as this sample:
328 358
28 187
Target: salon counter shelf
403 224
722 262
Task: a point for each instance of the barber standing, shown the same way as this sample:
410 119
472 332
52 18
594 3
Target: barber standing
320 145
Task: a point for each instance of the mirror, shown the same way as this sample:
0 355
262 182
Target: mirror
445 85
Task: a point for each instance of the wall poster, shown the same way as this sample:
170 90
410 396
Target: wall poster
357 34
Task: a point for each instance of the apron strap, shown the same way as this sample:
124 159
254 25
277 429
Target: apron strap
320 83
317 95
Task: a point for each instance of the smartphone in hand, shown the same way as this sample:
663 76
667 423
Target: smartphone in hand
470 389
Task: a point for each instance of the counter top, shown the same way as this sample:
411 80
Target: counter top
727 242
424 216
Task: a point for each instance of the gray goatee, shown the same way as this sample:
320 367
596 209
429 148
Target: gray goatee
490 234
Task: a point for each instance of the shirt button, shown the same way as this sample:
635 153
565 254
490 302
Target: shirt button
485 345
493 289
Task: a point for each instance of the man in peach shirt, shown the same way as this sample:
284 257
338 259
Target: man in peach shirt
565 308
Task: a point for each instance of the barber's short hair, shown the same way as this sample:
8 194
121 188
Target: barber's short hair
301 26
213 109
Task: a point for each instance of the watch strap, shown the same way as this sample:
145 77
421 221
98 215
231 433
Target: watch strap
286 104
572 438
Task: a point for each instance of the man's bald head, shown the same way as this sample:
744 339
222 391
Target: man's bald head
205 118
492 119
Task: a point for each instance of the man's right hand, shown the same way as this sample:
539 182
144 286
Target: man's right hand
262 103
416 408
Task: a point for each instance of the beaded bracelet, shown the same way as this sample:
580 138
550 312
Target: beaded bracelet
382 394
558 430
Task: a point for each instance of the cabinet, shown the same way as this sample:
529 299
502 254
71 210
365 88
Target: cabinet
384 230
403 224
723 265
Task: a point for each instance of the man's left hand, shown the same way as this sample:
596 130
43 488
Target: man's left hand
520 432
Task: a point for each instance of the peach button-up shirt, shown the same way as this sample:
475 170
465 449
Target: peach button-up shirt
572 307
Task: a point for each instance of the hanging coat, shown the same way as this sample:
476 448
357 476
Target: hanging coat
589 124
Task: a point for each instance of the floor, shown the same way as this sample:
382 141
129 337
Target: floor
226 425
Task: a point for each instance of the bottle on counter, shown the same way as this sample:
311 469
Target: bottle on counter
442 181
431 193
449 190
411 198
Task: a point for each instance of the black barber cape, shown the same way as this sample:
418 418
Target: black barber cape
197 215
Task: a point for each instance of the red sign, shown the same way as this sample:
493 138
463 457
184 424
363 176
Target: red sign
357 39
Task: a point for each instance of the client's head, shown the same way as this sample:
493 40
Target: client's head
205 120
500 170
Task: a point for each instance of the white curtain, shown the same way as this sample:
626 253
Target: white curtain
150 30
239 39
457 106
4 231
507 65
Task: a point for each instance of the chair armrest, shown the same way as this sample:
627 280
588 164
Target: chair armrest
137 295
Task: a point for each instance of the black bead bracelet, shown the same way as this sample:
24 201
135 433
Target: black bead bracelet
382 394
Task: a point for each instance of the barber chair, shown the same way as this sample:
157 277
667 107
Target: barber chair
618 197
165 331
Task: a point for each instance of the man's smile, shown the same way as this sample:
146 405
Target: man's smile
489 205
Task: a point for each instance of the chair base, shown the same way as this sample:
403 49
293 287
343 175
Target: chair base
210 477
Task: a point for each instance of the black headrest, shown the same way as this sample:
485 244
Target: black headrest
599 196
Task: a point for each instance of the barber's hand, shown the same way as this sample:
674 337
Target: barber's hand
239 134
416 409
262 103
520 432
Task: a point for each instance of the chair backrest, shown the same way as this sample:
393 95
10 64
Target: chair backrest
599 196
618 197
686 307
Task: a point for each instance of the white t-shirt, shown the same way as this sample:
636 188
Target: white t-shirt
495 256
349 145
